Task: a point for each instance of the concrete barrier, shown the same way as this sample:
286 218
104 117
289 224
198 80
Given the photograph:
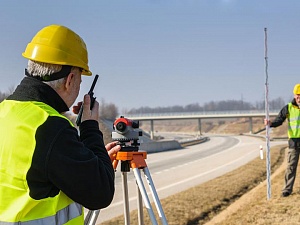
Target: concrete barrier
194 141
159 146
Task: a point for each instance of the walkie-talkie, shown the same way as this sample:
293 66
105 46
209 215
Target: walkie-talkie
91 94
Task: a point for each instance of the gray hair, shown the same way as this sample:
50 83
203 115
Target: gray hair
42 69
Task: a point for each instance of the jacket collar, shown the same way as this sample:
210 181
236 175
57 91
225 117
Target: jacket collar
31 89
294 102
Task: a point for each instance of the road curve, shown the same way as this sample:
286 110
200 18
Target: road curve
178 170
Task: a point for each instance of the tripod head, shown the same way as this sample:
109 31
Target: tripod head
126 133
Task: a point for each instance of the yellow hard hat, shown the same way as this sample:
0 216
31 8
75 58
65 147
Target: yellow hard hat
297 89
56 44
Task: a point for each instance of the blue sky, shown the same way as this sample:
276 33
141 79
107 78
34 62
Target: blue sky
166 52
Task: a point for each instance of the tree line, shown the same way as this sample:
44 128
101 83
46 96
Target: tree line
226 105
110 110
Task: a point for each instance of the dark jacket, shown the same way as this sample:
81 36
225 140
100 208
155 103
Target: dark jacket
281 117
77 165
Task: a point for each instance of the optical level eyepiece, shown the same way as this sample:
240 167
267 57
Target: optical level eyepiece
123 125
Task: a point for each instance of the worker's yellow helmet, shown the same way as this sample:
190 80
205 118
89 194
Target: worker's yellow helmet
56 44
297 89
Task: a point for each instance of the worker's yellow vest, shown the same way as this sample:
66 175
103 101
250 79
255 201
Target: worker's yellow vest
293 121
18 124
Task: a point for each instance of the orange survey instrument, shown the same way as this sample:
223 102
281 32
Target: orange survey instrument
131 158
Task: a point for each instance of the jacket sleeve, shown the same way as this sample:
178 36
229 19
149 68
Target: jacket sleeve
80 166
281 117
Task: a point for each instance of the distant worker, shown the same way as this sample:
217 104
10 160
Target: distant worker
291 112
48 173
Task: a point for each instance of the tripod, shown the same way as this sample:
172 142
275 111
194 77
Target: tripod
136 161
130 157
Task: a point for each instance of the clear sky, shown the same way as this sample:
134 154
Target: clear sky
166 52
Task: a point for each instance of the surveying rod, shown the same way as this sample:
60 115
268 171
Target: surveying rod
268 158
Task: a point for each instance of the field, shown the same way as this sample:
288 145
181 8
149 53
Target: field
239 197
216 126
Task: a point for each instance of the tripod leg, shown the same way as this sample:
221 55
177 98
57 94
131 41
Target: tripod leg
125 197
155 196
141 186
88 217
140 206
91 217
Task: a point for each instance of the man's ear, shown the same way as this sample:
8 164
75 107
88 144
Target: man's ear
69 80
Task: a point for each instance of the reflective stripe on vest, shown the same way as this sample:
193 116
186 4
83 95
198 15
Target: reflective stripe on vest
293 121
19 122
62 216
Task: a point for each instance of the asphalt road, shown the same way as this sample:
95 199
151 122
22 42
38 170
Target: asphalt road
178 170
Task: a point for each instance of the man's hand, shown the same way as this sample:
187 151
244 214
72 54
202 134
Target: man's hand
76 108
267 122
87 114
112 149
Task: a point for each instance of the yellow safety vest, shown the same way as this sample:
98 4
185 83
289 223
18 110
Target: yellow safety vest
19 122
293 121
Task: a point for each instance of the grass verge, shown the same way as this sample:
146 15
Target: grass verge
254 208
200 204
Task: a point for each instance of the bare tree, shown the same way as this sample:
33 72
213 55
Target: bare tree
108 111
228 105
4 95
277 103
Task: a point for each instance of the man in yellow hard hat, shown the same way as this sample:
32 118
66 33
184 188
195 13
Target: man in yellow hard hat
48 173
291 112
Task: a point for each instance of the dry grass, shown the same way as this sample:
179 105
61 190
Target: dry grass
254 208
